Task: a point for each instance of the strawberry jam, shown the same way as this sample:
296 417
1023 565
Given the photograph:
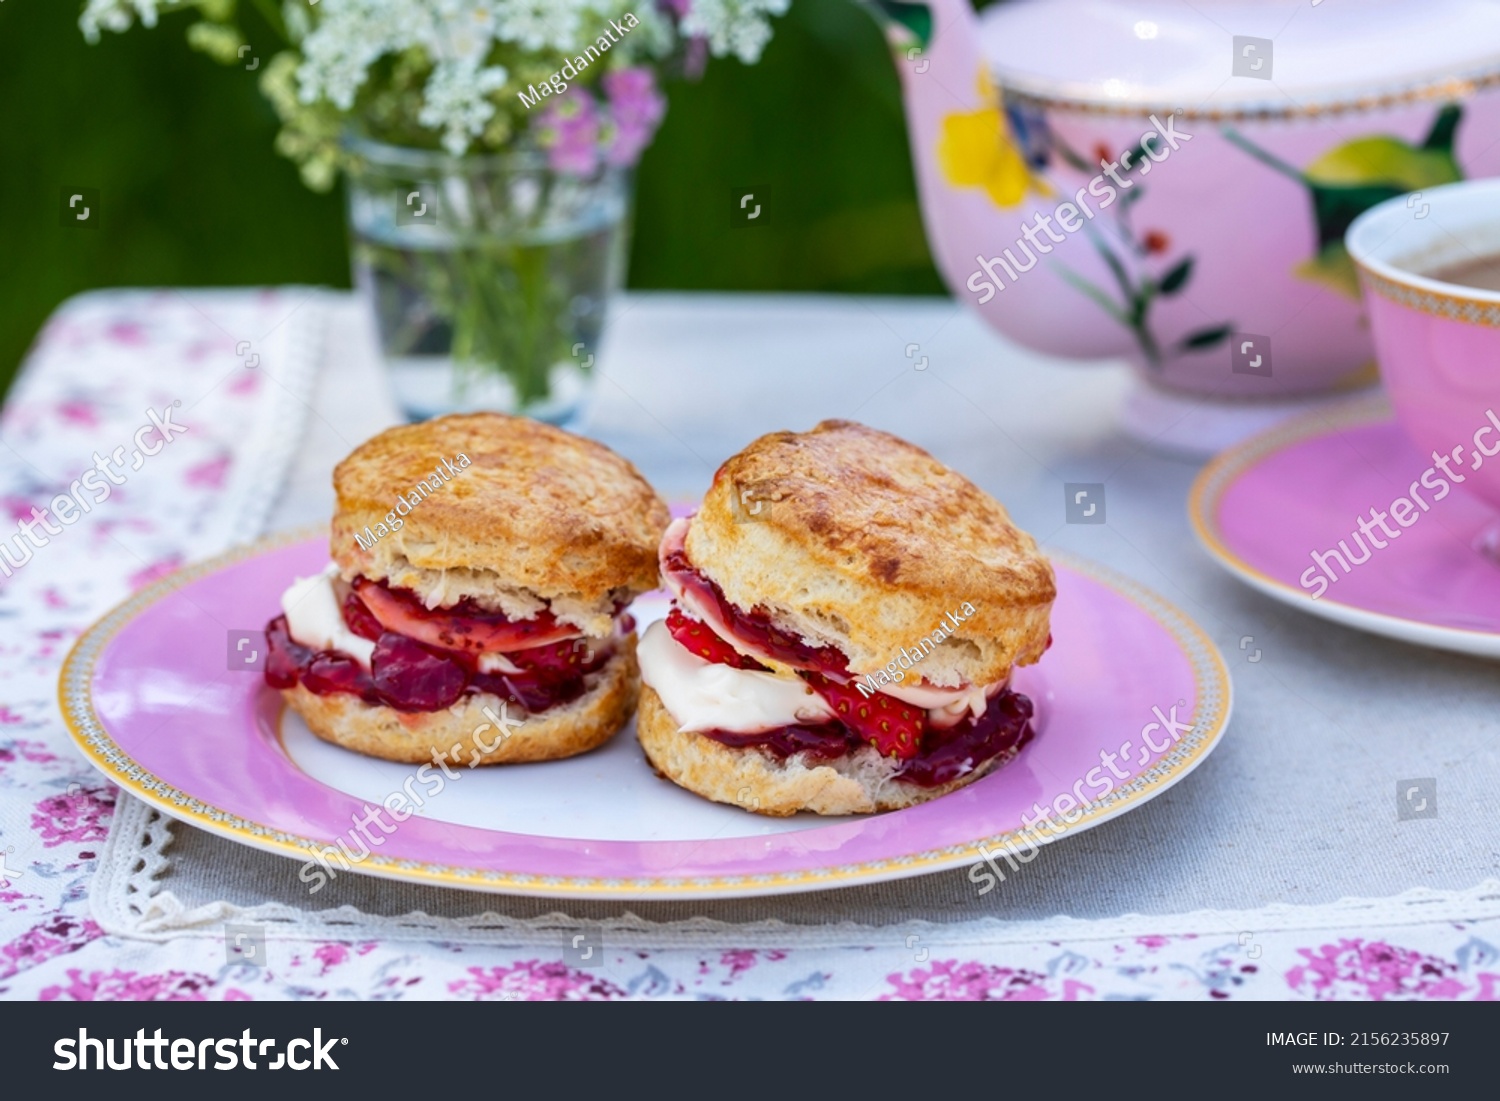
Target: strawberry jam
753 627
409 674
944 755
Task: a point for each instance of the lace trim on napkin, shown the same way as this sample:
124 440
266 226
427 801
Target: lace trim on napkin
138 906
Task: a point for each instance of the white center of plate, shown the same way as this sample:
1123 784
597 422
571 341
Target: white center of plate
610 794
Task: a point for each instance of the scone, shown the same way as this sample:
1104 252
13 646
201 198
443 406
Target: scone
847 612
474 610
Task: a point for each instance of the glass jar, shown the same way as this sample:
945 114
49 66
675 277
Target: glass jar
488 276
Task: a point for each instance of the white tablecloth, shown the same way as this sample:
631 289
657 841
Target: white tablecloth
1229 885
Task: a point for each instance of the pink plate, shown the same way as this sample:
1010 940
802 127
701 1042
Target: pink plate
150 699
1263 508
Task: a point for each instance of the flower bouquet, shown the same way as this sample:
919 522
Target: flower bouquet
488 148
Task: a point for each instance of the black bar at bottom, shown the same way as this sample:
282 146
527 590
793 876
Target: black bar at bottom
1378 1049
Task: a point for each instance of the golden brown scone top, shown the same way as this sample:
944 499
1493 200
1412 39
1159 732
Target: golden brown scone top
866 536
543 509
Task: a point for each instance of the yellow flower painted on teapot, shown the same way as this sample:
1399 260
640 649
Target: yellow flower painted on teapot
978 149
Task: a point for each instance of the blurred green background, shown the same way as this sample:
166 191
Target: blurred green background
192 193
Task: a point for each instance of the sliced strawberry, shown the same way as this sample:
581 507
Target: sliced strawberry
894 728
698 640
464 628
359 620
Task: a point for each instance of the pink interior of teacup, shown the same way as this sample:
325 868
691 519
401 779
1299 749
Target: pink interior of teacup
1438 342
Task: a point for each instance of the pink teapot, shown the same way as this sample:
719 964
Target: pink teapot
1171 182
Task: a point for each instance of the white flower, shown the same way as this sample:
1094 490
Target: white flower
454 102
739 27
350 37
115 15
464 30
542 24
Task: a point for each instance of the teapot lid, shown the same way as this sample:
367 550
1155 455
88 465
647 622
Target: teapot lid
1148 55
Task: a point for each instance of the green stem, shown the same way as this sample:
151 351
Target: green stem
1261 155
1079 283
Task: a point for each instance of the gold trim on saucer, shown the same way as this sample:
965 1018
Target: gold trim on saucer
1215 479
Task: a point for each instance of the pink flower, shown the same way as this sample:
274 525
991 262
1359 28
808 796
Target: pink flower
23 748
569 131
209 474
131 986
1375 970
951 981
738 960
78 412
636 108
332 954
534 981
81 816
126 332
155 572
57 937
18 509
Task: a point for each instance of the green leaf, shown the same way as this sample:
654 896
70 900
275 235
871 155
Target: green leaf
1205 338
1382 160
1444 128
1177 278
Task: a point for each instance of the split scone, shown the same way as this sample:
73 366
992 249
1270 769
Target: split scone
847 612
478 560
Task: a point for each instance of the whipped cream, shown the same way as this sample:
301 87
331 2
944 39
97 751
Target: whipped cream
315 616
494 662
700 695
945 706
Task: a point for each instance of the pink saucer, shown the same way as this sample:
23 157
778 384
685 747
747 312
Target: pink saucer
1263 509
150 697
